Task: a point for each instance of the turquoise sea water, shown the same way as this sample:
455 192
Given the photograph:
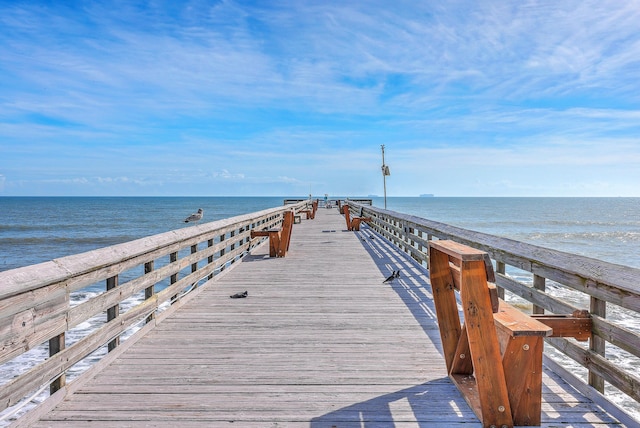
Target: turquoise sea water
602 228
36 229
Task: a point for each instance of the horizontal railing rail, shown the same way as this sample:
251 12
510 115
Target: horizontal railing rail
604 289
116 288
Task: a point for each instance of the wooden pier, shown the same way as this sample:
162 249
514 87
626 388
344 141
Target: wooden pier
319 341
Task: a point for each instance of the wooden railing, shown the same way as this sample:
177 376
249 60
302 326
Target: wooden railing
605 289
39 304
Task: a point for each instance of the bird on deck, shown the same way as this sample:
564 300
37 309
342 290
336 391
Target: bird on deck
240 295
394 274
391 277
195 217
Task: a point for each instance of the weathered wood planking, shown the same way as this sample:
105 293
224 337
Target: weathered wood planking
319 342
607 281
35 300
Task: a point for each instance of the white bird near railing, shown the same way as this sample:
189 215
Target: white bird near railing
195 217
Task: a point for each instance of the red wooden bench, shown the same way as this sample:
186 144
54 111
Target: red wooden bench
311 213
495 357
353 223
278 238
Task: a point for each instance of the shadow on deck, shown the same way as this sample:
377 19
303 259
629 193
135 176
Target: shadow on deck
429 405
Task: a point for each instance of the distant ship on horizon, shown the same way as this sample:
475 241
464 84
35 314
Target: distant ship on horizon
426 195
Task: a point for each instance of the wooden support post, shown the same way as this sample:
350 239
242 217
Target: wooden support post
597 344
222 251
501 269
232 234
194 266
173 257
57 344
210 258
113 312
539 283
149 291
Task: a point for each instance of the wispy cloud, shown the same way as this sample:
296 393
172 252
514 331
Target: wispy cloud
287 92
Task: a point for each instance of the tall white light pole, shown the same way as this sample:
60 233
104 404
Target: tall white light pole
385 172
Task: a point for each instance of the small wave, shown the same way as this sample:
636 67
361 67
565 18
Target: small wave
39 227
99 241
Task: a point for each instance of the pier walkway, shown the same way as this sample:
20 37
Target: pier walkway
320 341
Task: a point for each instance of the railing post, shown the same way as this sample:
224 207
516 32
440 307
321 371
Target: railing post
57 344
539 283
403 237
222 251
501 269
597 344
173 257
429 239
113 312
233 245
248 238
149 291
421 249
210 258
194 266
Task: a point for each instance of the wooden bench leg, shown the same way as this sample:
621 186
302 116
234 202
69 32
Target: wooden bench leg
358 221
484 346
355 223
444 298
285 234
522 362
274 244
347 217
462 363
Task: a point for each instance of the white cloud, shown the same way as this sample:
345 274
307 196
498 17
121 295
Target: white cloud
225 174
138 97
290 180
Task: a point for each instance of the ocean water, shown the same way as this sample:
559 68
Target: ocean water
602 228
38 229
606 229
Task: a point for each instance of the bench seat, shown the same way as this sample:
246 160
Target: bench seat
279 239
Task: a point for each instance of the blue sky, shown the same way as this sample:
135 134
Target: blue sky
470 98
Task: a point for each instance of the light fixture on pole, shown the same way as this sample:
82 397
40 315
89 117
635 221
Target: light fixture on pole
385 172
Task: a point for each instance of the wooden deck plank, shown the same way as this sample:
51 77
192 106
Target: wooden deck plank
319 342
